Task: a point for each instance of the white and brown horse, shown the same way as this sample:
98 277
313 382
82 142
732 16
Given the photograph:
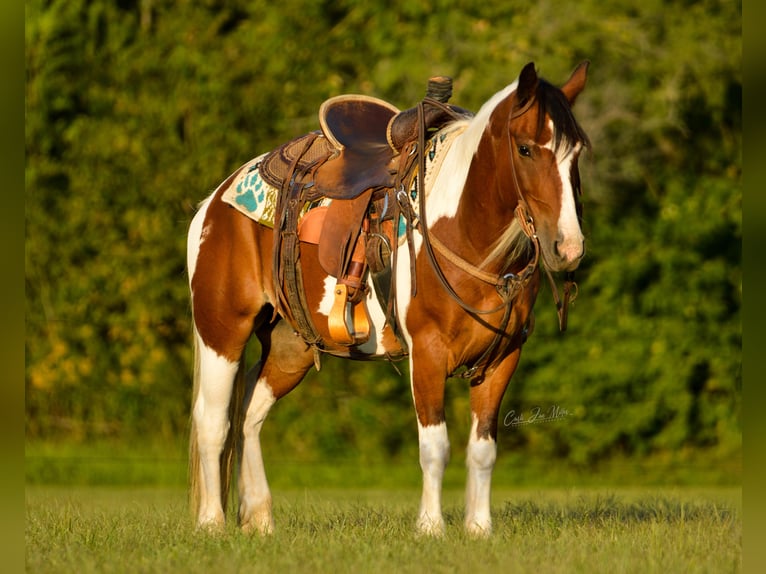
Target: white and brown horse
472 247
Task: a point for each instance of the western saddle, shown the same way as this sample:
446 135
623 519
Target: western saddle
338 190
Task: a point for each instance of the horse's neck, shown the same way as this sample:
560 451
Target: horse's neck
451 181
484 212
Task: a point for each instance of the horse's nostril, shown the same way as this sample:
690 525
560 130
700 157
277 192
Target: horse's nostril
569 251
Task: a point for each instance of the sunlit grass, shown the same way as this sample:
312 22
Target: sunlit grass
97 509
129 464
353 530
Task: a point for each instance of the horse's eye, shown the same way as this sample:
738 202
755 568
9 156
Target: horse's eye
525 151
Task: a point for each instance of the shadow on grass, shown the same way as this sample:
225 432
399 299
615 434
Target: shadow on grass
609 508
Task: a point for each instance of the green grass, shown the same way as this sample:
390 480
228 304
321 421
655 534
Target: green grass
109 529
102 508
129 464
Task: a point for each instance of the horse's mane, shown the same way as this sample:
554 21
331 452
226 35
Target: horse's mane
512 247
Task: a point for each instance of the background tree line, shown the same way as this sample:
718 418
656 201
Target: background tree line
136 109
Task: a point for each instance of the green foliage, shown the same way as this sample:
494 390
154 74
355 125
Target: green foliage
136 110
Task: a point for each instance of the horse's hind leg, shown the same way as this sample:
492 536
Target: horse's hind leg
210 417
225 303
285 360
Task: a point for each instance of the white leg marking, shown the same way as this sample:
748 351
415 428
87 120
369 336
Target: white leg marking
211 418
434 454
480 460
254 494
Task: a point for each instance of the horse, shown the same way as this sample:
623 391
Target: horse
501 206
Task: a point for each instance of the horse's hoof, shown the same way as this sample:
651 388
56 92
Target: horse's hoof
211 526
430 527
476 530
262 527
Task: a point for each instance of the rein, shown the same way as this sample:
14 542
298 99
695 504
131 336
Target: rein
509 285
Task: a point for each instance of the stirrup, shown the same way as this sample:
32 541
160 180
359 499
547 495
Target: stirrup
342 311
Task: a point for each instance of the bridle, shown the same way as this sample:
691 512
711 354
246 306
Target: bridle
508 285
522 213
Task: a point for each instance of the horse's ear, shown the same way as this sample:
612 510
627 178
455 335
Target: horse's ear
576 82
527 85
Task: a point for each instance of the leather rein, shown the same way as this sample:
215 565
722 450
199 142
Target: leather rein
508 285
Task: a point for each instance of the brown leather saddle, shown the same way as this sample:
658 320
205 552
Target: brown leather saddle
350 154
361 155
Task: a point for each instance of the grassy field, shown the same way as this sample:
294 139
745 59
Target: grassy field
102 509
128 529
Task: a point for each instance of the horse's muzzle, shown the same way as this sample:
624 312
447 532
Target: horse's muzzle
568 254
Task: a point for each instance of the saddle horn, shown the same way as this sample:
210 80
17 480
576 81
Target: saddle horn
403 127
439 88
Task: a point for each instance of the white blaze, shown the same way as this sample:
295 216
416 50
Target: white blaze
570 238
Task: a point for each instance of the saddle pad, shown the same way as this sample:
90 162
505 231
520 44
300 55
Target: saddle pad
436 150
252 196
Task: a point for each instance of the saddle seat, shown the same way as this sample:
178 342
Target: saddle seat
356 125
359 145
356 121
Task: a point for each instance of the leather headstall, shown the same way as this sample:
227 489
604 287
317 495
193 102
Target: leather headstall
509 285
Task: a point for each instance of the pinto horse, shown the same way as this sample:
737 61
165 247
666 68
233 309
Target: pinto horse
500 205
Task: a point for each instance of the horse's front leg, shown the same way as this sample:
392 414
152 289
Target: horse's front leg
428 395
486 397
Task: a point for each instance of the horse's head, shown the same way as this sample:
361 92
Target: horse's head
544 141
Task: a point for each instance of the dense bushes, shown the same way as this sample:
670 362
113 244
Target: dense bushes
135 110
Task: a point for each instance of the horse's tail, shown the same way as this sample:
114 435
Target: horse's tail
194 464
232 444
